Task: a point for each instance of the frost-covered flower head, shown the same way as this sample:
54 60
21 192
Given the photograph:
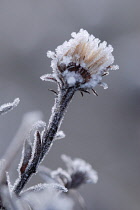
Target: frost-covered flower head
78 172
82 61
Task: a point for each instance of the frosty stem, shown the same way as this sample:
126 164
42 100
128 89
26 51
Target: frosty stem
61 102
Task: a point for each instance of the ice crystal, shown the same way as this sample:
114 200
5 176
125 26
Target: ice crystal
10 187
59 135
9 106
81 61
36 126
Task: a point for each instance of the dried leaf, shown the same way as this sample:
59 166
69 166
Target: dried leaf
36 151
26 155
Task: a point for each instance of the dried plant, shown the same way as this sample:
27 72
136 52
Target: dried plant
78 65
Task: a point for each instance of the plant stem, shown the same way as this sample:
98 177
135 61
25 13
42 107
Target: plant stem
64 97
56 118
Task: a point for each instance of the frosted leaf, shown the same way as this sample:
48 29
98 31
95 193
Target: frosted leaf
114 67
26 155
48 77
44 186
10 187
59 135
104 85
36 150
9 106
37 125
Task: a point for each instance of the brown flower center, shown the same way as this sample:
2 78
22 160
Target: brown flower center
77 69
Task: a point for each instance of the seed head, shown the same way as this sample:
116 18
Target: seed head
82 61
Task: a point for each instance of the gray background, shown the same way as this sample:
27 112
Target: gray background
103 130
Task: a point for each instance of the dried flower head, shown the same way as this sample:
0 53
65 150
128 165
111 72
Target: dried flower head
78 172
82 61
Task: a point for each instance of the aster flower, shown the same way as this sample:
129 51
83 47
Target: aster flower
81 62
78 172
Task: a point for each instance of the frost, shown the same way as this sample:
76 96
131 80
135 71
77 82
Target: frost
104 85
72 77
49 77
36 126
78 172
59 135
9 106
44 186
26 155
36 150
10 187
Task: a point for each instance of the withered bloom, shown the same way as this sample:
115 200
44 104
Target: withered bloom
81 62
78 172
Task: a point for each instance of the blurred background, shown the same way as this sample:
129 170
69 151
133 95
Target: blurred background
103 130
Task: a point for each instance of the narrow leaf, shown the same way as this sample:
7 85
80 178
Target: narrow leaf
44 186
9 106
26 155
36 151
48 77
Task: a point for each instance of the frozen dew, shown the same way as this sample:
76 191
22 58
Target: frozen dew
59 135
